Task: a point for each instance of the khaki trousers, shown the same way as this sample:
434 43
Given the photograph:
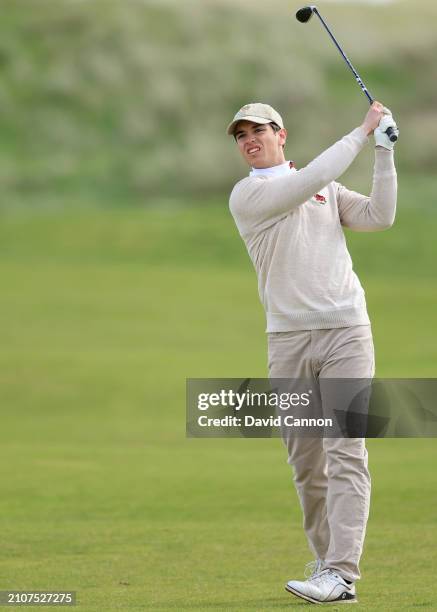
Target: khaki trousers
330 474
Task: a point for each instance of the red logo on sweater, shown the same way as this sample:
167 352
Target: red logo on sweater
318 197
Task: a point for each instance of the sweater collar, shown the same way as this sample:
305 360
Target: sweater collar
274 170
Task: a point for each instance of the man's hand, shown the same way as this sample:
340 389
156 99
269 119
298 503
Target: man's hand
381 138
373 117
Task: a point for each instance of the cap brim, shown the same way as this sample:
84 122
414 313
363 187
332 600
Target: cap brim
231 127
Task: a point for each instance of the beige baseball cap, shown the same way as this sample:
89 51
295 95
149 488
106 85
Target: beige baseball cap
258 113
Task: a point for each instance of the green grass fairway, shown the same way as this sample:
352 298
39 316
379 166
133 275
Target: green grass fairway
104 314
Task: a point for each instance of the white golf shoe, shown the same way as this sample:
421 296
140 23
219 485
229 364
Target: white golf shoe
322 588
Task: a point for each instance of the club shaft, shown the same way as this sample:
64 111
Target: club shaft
345 57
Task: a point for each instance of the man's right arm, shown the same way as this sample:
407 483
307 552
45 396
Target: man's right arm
258 203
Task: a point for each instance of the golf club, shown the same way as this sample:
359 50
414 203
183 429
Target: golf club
304 15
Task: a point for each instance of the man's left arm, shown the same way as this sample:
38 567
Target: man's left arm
377 212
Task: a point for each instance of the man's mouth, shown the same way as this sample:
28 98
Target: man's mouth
253 150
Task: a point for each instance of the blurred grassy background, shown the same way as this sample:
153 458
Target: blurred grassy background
123 274
129 100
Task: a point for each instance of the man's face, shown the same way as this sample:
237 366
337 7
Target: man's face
260 146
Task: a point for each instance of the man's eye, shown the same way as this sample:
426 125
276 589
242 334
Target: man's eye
259 130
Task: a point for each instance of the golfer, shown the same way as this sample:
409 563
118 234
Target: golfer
291 221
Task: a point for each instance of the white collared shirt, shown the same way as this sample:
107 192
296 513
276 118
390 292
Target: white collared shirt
274 170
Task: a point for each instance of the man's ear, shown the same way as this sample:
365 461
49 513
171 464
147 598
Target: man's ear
282 136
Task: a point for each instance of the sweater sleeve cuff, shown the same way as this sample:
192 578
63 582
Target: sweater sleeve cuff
360 134
384 160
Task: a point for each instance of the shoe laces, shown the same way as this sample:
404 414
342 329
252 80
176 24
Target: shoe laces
327 575
313 568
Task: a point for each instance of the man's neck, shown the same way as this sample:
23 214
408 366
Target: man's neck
274 163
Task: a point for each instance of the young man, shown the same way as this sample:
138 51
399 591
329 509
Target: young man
317 323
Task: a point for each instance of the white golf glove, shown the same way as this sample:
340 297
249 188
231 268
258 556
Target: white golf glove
381 138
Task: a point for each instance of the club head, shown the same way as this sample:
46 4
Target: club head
304 14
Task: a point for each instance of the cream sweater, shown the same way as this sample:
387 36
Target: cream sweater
296 241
